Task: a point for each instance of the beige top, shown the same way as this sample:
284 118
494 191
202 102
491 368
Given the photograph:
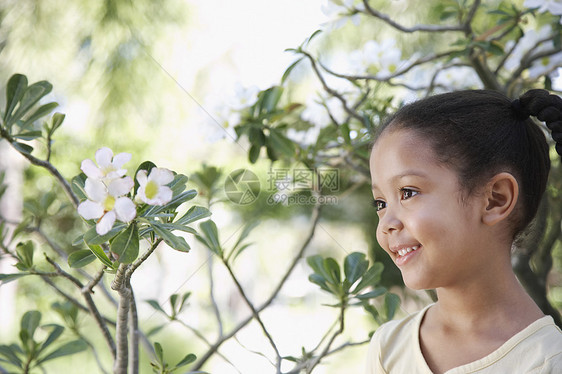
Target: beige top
395 349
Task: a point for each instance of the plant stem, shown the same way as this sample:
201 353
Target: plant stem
122 356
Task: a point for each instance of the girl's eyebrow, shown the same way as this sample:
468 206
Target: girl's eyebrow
407 173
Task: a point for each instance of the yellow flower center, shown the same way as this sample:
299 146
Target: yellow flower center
109 203
151 189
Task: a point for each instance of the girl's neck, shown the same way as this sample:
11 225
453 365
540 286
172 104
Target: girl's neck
486 302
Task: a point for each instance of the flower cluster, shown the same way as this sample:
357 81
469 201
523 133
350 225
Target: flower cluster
107 188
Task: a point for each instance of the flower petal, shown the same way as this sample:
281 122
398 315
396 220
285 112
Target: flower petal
161 175
121 186
121 159
90 169
125 209
105 223
164 195
90 210
104 156
95 189
141 177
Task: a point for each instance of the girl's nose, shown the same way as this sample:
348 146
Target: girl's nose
389 222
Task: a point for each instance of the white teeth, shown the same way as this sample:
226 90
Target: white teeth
404 251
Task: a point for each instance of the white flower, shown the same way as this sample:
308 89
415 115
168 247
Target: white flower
152 189
527 42
552 6
382 59
458 78
108 203
340 12
109 166
546 65
244 97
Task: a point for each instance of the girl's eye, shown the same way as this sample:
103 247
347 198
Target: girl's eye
407 193
379 205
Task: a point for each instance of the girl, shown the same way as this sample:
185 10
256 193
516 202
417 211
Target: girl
456 179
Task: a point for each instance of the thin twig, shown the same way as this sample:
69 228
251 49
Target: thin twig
47 165
330 90
255 314
214 304
314 222
423 28
89 301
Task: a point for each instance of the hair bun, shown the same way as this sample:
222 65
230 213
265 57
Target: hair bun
520 112
546 107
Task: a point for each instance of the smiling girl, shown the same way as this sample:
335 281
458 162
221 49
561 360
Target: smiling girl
456 179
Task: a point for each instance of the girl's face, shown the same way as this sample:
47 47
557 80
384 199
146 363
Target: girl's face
426 224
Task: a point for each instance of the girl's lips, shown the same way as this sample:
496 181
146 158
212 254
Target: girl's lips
405 254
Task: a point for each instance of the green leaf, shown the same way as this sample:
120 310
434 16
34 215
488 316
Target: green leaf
67 349
10 355
290 69
319 280
245 232
175 226
355 266
176 242
56 122
126 245
210 232
254 153
333 270
314 35
186 360
100 254
370 278
80 258
281 143
77 185
7 278
30 322
54 335
391 304
156 305
29 135
14 92
24 251
268 99
91 237
193 214
42 111
178 184
174 203
30 97
372 294
159 353
22 148
184 298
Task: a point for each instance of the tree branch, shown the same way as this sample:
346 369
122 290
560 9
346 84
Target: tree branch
464 27
314 218
47 165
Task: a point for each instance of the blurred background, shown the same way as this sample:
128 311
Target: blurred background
175 82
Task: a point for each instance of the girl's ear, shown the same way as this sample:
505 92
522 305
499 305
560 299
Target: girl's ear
501 193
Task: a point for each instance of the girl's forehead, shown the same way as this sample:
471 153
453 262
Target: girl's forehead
398 151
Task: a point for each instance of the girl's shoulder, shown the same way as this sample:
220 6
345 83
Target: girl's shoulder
395 344
396 330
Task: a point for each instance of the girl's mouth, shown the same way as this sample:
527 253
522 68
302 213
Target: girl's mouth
404 251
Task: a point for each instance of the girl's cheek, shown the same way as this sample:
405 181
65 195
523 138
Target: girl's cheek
381 239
